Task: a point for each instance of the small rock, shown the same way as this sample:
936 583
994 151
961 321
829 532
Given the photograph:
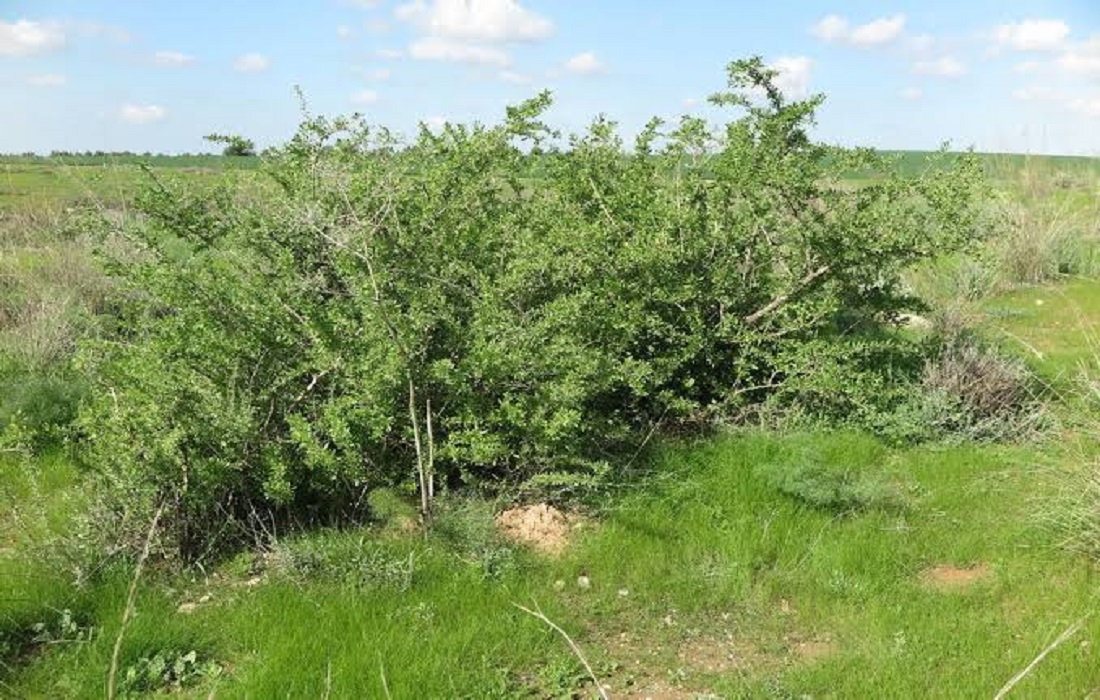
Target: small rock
559 585
186 608
583 582
623 592
205 599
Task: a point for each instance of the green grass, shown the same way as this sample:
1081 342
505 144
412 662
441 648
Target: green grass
708 560
37 502
1055 327
197 160
59 182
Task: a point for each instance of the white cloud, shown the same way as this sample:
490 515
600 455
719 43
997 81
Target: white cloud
27 38
912 93
1088 106
389 54
475 20
1082 59
692 102
1032 35
47 80
1080 63
1027 67
1071 101
142 114
172 59
878 32
837 29
379 74
945 66
252 63
920 44
434 48
435 122
376 26
363 4
365 97
585 63
831 28
99 30
514 78
794 75
1037 93
344 32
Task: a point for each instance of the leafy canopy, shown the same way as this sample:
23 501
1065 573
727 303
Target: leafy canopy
498 304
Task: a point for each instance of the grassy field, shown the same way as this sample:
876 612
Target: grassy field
709 579
30 182
750 564
36 183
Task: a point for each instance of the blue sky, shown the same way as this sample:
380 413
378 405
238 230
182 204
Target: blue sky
157 75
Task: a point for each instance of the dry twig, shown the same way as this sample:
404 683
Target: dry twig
131 596
1062 638
538 614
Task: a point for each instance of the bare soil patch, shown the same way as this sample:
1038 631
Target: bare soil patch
815 649
951 578
541 527
650 665
711 655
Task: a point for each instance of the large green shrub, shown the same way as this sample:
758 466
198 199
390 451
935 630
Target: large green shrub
492 303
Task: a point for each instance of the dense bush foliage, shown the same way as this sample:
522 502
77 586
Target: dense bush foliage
499 303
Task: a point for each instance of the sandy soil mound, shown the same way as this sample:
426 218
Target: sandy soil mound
541 526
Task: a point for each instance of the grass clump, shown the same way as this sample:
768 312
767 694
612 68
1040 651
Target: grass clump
51 290
843 476
1074 513
978 392
1048 241
466 526
360 562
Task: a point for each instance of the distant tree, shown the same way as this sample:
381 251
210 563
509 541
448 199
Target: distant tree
234 145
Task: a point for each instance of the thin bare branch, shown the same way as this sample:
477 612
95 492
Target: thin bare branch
600 201
385 683
131 597
539 615
431 450
755 317
421 472
328 681
1062 638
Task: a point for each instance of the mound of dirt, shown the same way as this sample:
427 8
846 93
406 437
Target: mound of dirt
542 527
950 578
